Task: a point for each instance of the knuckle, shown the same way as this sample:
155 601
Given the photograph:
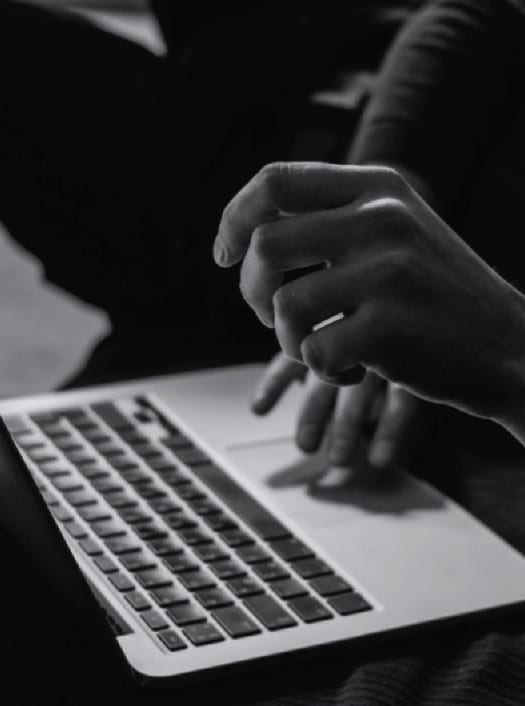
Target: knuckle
270 179
263 243
393 181
286 304
395 267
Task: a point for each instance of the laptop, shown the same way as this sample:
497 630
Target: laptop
199 540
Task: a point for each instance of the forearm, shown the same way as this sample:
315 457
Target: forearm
442 95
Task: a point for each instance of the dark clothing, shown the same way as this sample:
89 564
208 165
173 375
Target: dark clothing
449 109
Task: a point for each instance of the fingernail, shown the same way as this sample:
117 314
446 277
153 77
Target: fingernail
381 454
258 403
340 452
308 437
219 252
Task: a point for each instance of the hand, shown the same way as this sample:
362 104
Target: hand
339 419
400 292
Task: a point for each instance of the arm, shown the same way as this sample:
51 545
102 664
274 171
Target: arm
443 95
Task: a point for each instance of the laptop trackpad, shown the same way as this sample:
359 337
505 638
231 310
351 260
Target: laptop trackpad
311 492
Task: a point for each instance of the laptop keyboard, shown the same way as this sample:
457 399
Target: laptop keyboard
194 555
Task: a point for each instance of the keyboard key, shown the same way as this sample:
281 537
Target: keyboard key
41 454
90 546
270 613
210 552
107 448
329 585
94 513
137 561
174 476
203 634
252 554
68 443
235 537
79 498
162 546
176 441
171 640
149 530
80 457
194 536
131 515
309 609
204 506
105 564
92 471
96 435
213 597
244 586
119 500
106 485
17 426
160 464
309 568
61 514
66 482
241 502
236 622
29 442
121 582
186 614
189 491
191 456
113 417
146 450
163 505
108 528
291 548
270 571
195 580
75 530
288 588
220 522
149 491
122 463
227 569
179 520
49 497
179 563
122 545
137 601
134 475
348 603
133 437
54 468
153 578
168 595
154 620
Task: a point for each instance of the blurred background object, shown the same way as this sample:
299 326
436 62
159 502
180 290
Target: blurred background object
44 332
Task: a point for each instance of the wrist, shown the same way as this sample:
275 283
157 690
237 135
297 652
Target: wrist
511 412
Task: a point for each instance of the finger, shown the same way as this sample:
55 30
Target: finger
315 414
317 300
278 375
334 350
351 413
290 188
322 237
395 428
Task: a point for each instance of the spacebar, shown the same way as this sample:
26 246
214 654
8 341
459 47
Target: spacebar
241 502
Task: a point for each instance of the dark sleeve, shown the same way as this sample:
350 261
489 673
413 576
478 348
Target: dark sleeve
445 92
